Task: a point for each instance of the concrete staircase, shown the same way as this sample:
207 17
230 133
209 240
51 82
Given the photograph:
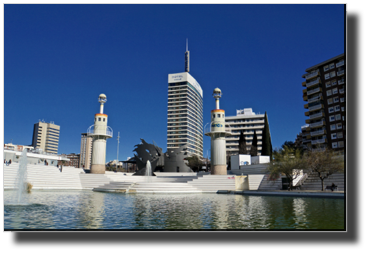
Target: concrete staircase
213 183
313 182
43 177
268 185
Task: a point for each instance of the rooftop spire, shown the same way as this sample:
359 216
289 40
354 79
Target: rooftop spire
187 57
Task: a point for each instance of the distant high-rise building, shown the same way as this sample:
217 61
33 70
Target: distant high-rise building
185 112
46 137
303 138
325 93
85 151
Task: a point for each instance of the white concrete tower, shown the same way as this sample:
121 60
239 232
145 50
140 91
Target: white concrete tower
217 133
99 132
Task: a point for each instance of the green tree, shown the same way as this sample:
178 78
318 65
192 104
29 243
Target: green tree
254 146
194 163
287 162
266 139
242 144
324 163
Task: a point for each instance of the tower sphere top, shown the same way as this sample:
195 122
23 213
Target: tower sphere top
102 98
217 93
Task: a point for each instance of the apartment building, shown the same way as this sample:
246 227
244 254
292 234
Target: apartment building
325 89
247 121
46 137
303 139
85 151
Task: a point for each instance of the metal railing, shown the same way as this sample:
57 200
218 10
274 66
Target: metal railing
319 132
208 129
103 132
318 141
315 107
341 72
317 124
311 75
313 91
315 82
320 114
314 99
340 63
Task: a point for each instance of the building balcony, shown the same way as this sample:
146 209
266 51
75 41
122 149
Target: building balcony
317 115
340 63
342 72
312 75
308 121
319 97
318 89
341 82
305 98
319 132
341 91
318 141
307 113
104 131
319 106
315 82
304 84
306 106
317 124
304 91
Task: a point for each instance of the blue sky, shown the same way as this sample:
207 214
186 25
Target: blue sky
59 58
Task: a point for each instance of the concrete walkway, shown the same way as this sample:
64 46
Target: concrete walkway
295 193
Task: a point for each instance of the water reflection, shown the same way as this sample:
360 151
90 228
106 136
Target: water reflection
94 210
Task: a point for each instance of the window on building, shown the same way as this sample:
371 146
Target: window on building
326 68
335 90
329 92
343 118
218 115
339 135
332 74
332 127
330 101
331 66
331 118
213 116
339 126
222 115
341 144
334 145
338 117
327 84
99 119
336 99
333 136
103 119
342 99
337 108
343 109
327 76
331 110
334 82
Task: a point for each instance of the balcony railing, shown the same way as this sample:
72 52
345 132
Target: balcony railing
315 82
311 75
315 107
341 82
318 141
320 114
314 99
342 72
340 63
100 131
313 91
319 132
227 130
321 123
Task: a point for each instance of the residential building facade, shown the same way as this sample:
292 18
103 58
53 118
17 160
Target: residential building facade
247 121
325 93
46 137
185 112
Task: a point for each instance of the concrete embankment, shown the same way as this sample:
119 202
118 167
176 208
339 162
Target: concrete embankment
312 194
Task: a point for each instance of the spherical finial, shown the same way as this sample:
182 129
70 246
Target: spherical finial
217 93
102 98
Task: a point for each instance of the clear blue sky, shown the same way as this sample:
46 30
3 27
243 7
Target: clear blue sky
59 58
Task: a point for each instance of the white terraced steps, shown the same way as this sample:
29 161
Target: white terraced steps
43 177
313 182
268 185
251 169
213 183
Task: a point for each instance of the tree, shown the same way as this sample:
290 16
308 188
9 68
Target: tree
194 163
288 144
242 144
254 146
324 163
266 139
287 162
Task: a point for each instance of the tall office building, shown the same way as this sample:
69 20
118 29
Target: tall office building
247 121
185 112
46 137
325 94
85 151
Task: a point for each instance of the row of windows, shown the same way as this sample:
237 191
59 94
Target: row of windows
339 144
335 100
336 126
338 135
245 120
336 109
99 119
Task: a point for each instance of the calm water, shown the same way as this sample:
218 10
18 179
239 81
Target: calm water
94 210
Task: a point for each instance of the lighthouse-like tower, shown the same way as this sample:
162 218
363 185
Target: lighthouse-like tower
217 133
99 132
